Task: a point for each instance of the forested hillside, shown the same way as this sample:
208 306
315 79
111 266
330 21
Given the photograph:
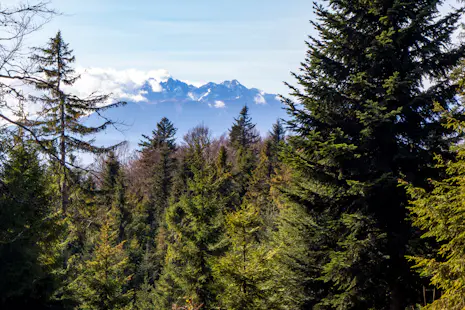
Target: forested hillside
356 201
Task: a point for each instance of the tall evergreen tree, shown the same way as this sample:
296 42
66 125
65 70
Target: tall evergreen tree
243 133
362 118
440 214
277 132
158 159
194 225
277 137
163 135
242 137
59 129
258 192
162 145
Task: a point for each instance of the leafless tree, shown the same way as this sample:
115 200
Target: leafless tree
17 22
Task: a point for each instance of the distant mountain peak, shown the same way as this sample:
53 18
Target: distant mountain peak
226 92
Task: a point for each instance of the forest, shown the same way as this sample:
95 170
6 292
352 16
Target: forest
355 201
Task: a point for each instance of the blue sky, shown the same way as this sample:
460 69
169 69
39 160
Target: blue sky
257 42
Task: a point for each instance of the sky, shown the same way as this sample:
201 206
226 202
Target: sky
120 44
257 42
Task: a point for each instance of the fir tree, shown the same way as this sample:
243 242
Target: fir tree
164 135
163 142
158 159
362 119
277 137
59 130
258 192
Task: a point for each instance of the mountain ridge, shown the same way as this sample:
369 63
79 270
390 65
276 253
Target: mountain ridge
228 91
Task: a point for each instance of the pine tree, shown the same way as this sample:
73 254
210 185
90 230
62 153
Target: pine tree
102 278
59 130
29 233
362 119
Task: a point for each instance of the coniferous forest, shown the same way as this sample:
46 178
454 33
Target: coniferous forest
355 201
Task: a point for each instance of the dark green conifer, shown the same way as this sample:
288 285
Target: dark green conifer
363 118
243 133
194 229
30 231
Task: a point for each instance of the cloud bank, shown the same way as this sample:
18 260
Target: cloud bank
122 84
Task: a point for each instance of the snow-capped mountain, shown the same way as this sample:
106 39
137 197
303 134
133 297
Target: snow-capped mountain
212 104
210 93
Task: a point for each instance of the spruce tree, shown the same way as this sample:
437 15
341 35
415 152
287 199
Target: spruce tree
163 135
161 145
243 133
58 128
242 137
363 118
440 214
157 156
277 137
258 192
194 228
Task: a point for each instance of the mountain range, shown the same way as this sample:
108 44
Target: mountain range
210 93
212 104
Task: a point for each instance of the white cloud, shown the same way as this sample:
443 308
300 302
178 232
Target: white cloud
196 84
219 104
122 84
259 99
